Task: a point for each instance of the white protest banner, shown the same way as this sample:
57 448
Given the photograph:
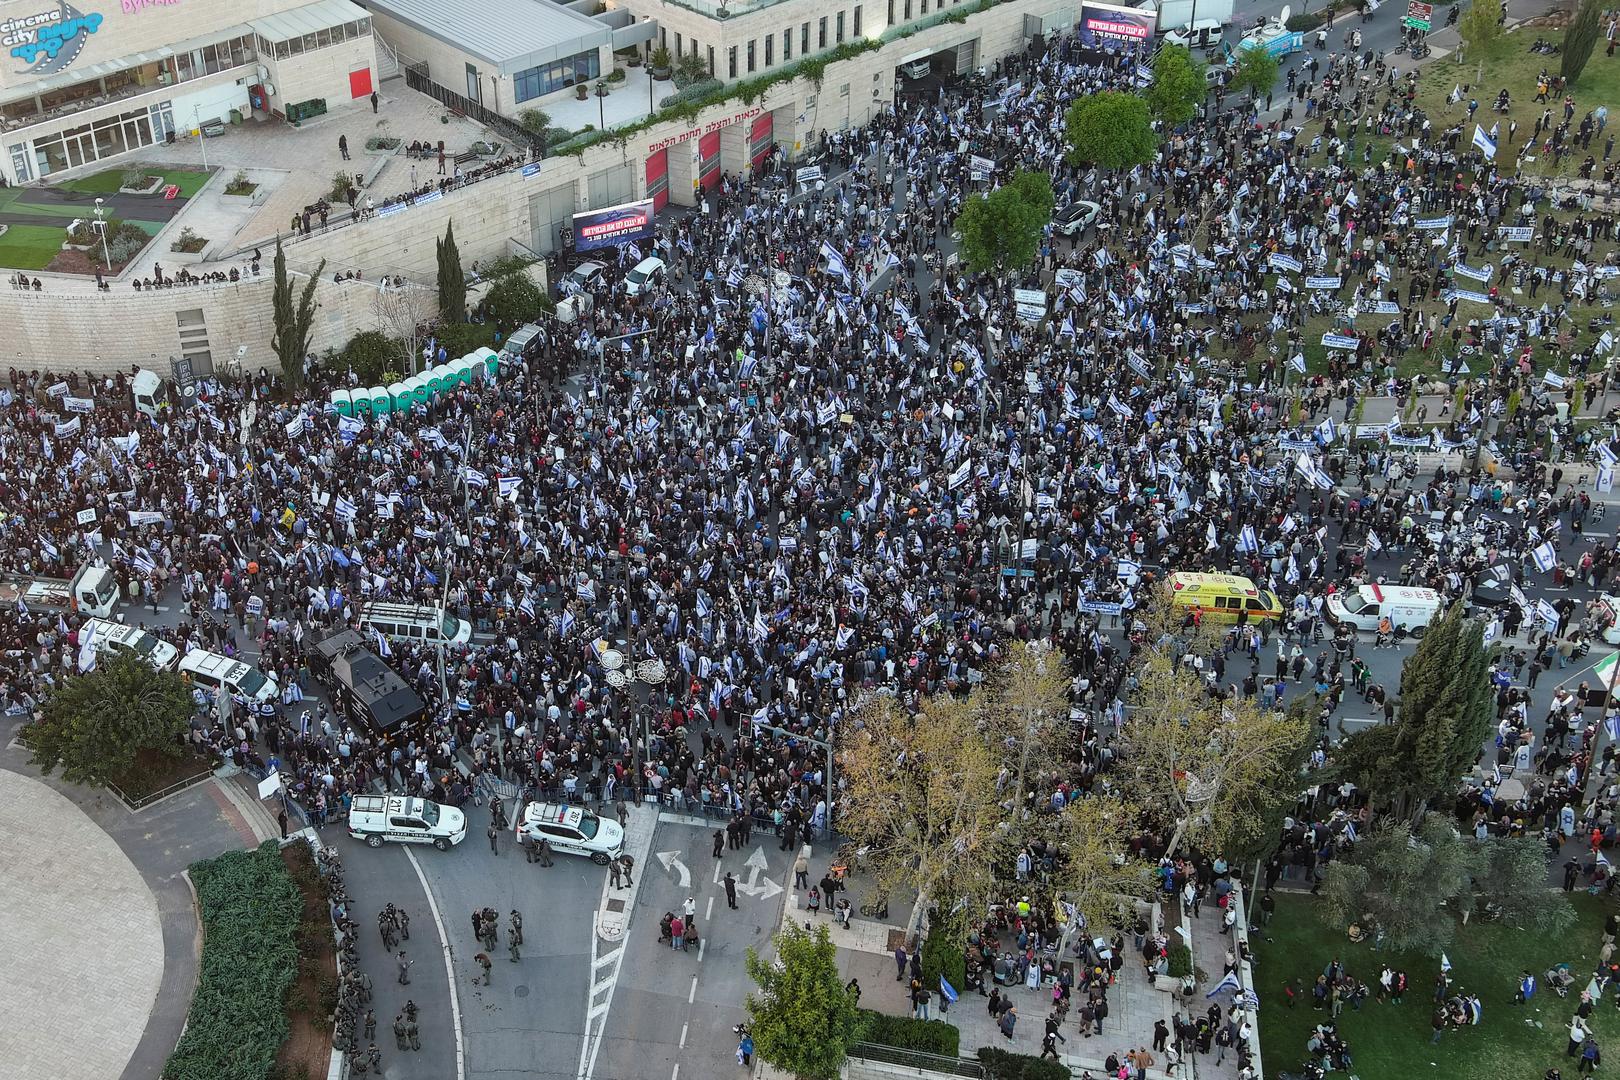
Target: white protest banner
1325 281
87 517
56 390
1386 307
1554 380
1517 234
79 404
71 427
1286 262
269 785
1341 341
808 175
138 518
1434 224
1100 607
980 168
1031 304
1476 272
1466 294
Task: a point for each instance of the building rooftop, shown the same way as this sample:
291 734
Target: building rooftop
321 15
513 35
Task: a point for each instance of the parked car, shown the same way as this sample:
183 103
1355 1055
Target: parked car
584 277
377 819
572 830
647 273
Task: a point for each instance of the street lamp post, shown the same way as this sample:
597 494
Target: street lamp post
202 140
601 104
101 227
624 676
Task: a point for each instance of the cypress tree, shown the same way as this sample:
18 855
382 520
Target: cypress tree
452 282
1579 41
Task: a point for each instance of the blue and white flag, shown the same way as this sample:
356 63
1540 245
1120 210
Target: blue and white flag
835 261
382 644
87 645
947 991
507 486
1326 433
1228 983
1373 543
344 509
1247 541
475 478
759 631
1486 144
1545 557
586 591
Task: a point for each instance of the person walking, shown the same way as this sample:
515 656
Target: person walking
545 852
1009 1022
492 832
719 843
371 1025
374 100
404 968
899 963
414 1034
801 872
343 146
514 927
404 922
281 819
482 960
731 890
512 952
853 988
745 1050
399 1032
626 864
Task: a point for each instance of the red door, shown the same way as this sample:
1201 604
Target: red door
658 179
360 83
760 137
709 161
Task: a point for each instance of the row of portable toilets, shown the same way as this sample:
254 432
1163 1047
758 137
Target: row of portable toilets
418 389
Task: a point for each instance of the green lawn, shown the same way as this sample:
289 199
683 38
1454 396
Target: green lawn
1392 1041
106 182
30 247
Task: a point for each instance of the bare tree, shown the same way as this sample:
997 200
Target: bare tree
402 311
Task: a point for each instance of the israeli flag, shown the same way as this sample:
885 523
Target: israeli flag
1373 543
508 486
1229 983
1247 541
1486 144
1545 557
586 591
565 625
1606 453
475 478
344 509
759 631
526 606
87 645
382 644
1326 433
1128 570
704 608
960 476
350 427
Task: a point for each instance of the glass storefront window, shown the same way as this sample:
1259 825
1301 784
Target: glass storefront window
548 78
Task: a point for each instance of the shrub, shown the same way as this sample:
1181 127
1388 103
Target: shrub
696 91
382 142
124 242
339 192
1179 960
1309 20
904 1033
942 954
250 912
1004 1065
188 242
459 339
660 57
534 121
134 178
240 184
691 69
370 353
616 75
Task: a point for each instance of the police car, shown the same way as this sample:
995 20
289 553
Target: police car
572 830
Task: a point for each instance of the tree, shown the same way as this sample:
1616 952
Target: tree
802 1019
95 723
405 310
291 322
1255 71
1111 130
369 354
1216 766
1482 33
1444 717
452 280
1028 702
921 796
514 300
1512 878
1094 870
1261 821
1002 230
1177 87
1402 886
1578 42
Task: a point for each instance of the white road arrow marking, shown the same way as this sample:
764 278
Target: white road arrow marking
668 858
757 887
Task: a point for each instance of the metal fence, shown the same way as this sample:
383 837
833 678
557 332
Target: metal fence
916 1059
416 77
152 797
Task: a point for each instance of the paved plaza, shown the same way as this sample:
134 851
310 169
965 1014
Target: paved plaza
82 940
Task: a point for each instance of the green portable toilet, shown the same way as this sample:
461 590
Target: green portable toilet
416 388
399 397
362 402
341 402
435 381
382 403
446 377
455 372
491 360
469 369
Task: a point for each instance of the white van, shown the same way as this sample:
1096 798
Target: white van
1406 607
573 830
378 818
108 638
414 622
210 671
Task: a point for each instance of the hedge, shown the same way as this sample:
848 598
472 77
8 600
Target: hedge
1180 961
1307 20
250 910
942 955
1004 1065
904 1033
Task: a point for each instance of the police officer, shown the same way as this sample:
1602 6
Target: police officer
399 1032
